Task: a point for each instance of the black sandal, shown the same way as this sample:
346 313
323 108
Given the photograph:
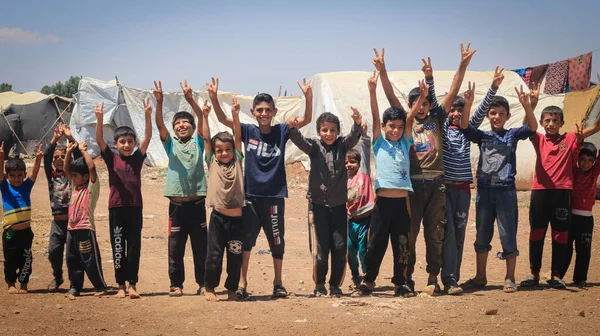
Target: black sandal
279 291
55 284
530 281
241 293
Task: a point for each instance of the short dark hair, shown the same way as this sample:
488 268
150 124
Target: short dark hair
552 109
459 102
60 148
393 113
123 131
223 137
414 94
354 154
588 149
499 101
184 115
79 166
263 97
328 117
14 165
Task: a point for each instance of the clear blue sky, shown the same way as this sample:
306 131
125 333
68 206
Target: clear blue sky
258 45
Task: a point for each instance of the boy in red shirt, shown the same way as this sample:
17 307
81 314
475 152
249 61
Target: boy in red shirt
585 175
551 194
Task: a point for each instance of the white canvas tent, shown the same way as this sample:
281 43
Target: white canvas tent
333 92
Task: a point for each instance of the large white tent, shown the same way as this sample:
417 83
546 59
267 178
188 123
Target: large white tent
333 92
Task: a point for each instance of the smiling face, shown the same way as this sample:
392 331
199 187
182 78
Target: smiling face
352 165
264 113
454 115
328 132
16 177
224 151
183 128
586 162
125 145
58 158
393 129
551 122
498 117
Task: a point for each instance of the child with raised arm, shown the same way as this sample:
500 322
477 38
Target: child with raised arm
457 176
327 196
125 199
60 193
429 199
185 187
496 192
83 254
265 182
226 196
586 170
551 194
361 200
17 235
390 219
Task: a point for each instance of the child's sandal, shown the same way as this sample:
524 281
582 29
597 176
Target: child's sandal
509 287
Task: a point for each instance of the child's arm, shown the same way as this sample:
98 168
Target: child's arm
206 130
237 128
591 130
365 149
534 96
466 55
212 89
66 130
304 144
160 123
428 72
49 151
2 160
148 127
351 139
479 115
88 161
469 97
39 154
524 100
372 83
308 96
68 159
423 91
99 112
379 63
188 93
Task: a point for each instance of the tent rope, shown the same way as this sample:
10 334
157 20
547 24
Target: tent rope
15 134
57 119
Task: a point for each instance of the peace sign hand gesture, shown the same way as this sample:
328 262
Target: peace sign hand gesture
372 81
99 112
523 97
187 91
147 106
235 106
498 77
426 68
378 60
206 108
306 88
157 92
213 88
470 95
466 54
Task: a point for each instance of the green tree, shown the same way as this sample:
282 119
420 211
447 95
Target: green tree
5 87
68 89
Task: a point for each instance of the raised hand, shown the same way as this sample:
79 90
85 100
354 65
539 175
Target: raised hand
187 90
66 130
363 130
58 131
306 88
523 97
423 89
378 60
70 148
157 92
470 94
39 153
466 54
498 77
147 106
426 68
213 87
82 146
206 108
579 132
534 94
293 123
356 116
372 81
2 152
235 106
99 112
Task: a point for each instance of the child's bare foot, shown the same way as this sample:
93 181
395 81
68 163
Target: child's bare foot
12 289
133 294
121 293
100 292
210 295
232 296
23 289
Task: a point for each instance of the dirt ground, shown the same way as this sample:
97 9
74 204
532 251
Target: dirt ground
540 311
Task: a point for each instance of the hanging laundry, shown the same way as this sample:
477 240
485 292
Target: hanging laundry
537 74
556 77
580 72
577 105
524 73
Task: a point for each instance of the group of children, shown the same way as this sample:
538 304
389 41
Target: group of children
423 174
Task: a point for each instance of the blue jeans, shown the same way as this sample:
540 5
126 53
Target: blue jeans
458 202
357 244
497 205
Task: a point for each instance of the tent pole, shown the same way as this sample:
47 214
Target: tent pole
59 118
15 134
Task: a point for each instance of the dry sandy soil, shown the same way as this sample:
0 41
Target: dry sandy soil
541 311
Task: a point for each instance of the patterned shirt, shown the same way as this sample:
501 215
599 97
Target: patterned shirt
82 205
16 202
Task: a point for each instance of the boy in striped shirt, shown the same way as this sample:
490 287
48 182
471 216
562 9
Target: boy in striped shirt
457 176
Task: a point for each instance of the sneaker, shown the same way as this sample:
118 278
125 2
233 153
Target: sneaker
335 291
453 290
175 291
320 291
